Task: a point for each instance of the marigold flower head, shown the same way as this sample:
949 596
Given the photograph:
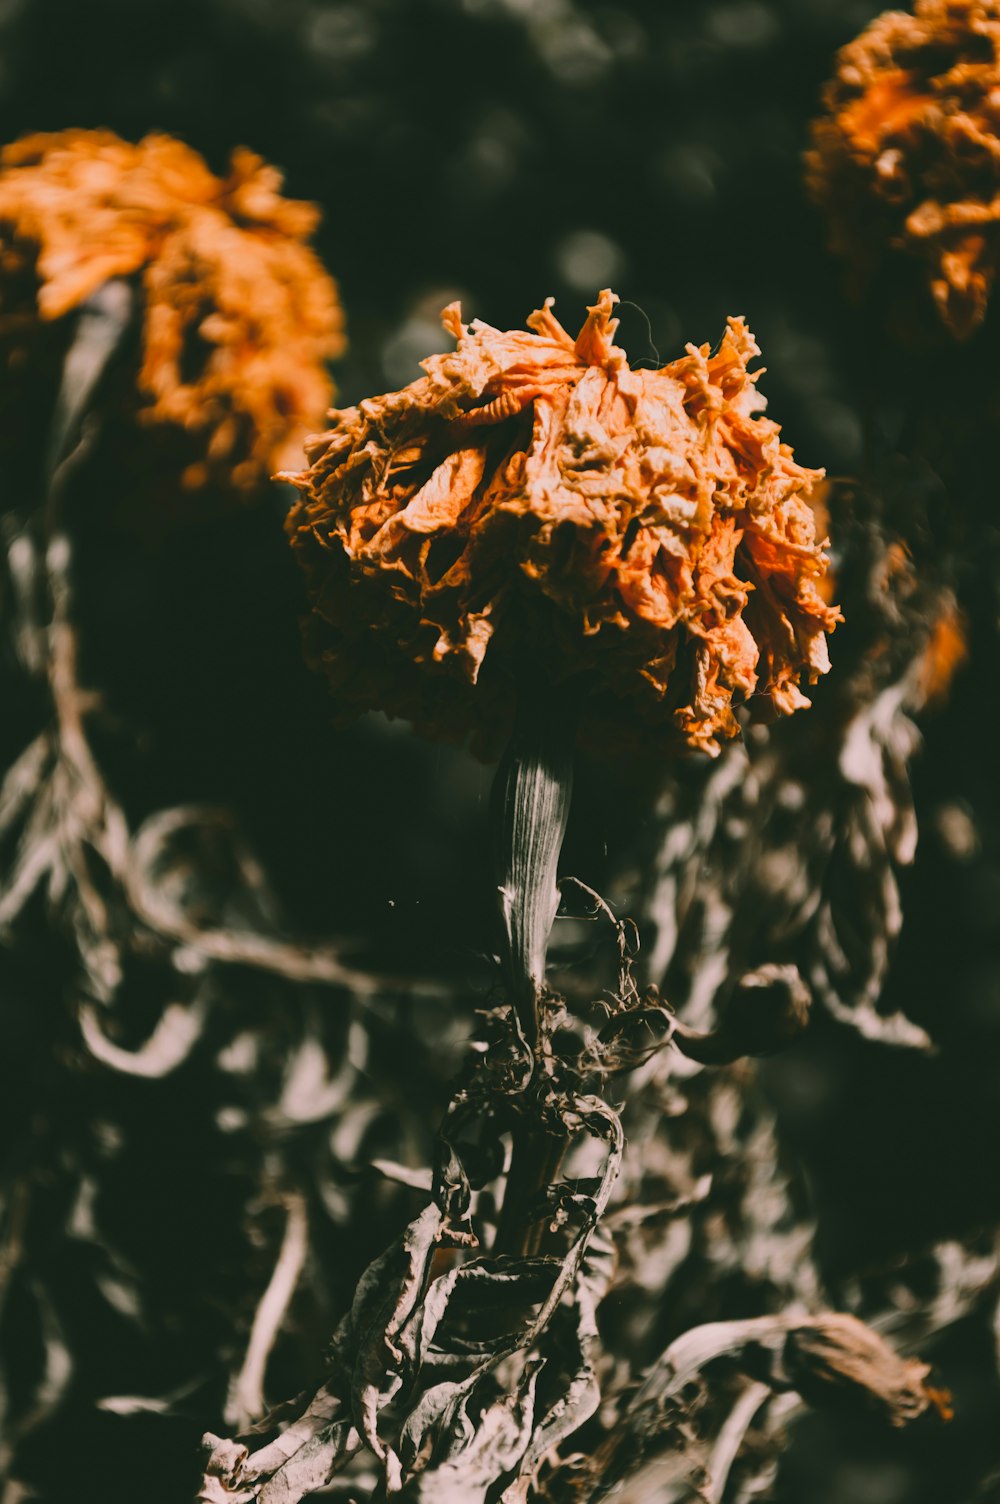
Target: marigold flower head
906 158
641 535
238 315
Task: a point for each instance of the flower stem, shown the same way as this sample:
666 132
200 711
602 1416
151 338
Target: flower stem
531 800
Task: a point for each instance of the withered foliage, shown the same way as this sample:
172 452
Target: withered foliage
238 316
470 1375
142 927
640 535
906 158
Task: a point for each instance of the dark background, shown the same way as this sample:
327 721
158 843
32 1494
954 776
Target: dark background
500 151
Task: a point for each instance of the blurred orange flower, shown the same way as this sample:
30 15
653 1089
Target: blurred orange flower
239 316
946 651
906 158
531 504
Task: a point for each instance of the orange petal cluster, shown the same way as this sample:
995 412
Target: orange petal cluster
239 316
533 506
906 158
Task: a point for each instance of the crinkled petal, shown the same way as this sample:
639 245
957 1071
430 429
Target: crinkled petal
533 505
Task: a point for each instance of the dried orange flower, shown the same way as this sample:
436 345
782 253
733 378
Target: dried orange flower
531 504
906 159
239 316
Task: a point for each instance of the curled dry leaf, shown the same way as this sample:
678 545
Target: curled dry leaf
641 536
906 157
238 315
454 1369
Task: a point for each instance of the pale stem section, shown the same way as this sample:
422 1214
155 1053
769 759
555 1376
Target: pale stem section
246 1395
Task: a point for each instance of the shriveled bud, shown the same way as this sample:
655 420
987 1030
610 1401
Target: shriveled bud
768 1010
837 1360
829 1359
